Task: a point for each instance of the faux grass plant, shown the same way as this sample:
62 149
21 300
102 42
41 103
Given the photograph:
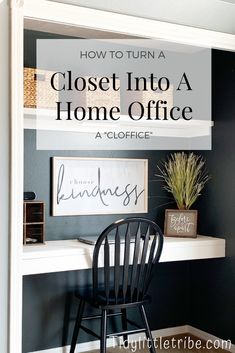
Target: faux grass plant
185 177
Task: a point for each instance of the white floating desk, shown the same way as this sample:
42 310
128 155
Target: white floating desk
68 255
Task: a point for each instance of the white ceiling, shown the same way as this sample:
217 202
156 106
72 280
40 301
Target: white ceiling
216 15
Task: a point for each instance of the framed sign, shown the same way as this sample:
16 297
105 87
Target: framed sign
180 223
89 186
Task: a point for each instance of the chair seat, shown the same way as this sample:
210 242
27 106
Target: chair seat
100 301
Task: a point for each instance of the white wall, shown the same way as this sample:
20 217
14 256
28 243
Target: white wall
4 171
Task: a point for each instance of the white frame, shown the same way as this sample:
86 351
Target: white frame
42 11
16 178
102 162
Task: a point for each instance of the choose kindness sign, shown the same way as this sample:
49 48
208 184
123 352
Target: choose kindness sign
99 186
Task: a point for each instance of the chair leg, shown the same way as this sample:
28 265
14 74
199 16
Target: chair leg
148 331
103 335
124 327
77 325
67 313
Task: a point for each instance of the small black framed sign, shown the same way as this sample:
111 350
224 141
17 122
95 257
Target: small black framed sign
180 223
89 186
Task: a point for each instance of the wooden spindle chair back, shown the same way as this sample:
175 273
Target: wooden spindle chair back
126 251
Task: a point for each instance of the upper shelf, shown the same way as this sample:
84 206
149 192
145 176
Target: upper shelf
187 129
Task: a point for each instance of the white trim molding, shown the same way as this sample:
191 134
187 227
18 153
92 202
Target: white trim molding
63 16
71 15
172 331
16 3
16 177
89 346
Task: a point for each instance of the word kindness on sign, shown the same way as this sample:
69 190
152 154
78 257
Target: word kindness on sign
99 186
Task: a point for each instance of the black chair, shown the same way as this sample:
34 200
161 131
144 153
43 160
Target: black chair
123 279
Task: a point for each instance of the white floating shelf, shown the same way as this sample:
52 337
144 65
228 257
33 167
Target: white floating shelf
68 255
180 128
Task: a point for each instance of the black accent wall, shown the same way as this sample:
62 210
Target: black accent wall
212 282
199 293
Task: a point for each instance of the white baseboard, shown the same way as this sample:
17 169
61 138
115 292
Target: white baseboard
89 346
171 331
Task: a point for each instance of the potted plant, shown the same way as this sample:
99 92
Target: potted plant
185 176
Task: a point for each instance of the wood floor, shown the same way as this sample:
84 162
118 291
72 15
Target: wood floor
172 344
